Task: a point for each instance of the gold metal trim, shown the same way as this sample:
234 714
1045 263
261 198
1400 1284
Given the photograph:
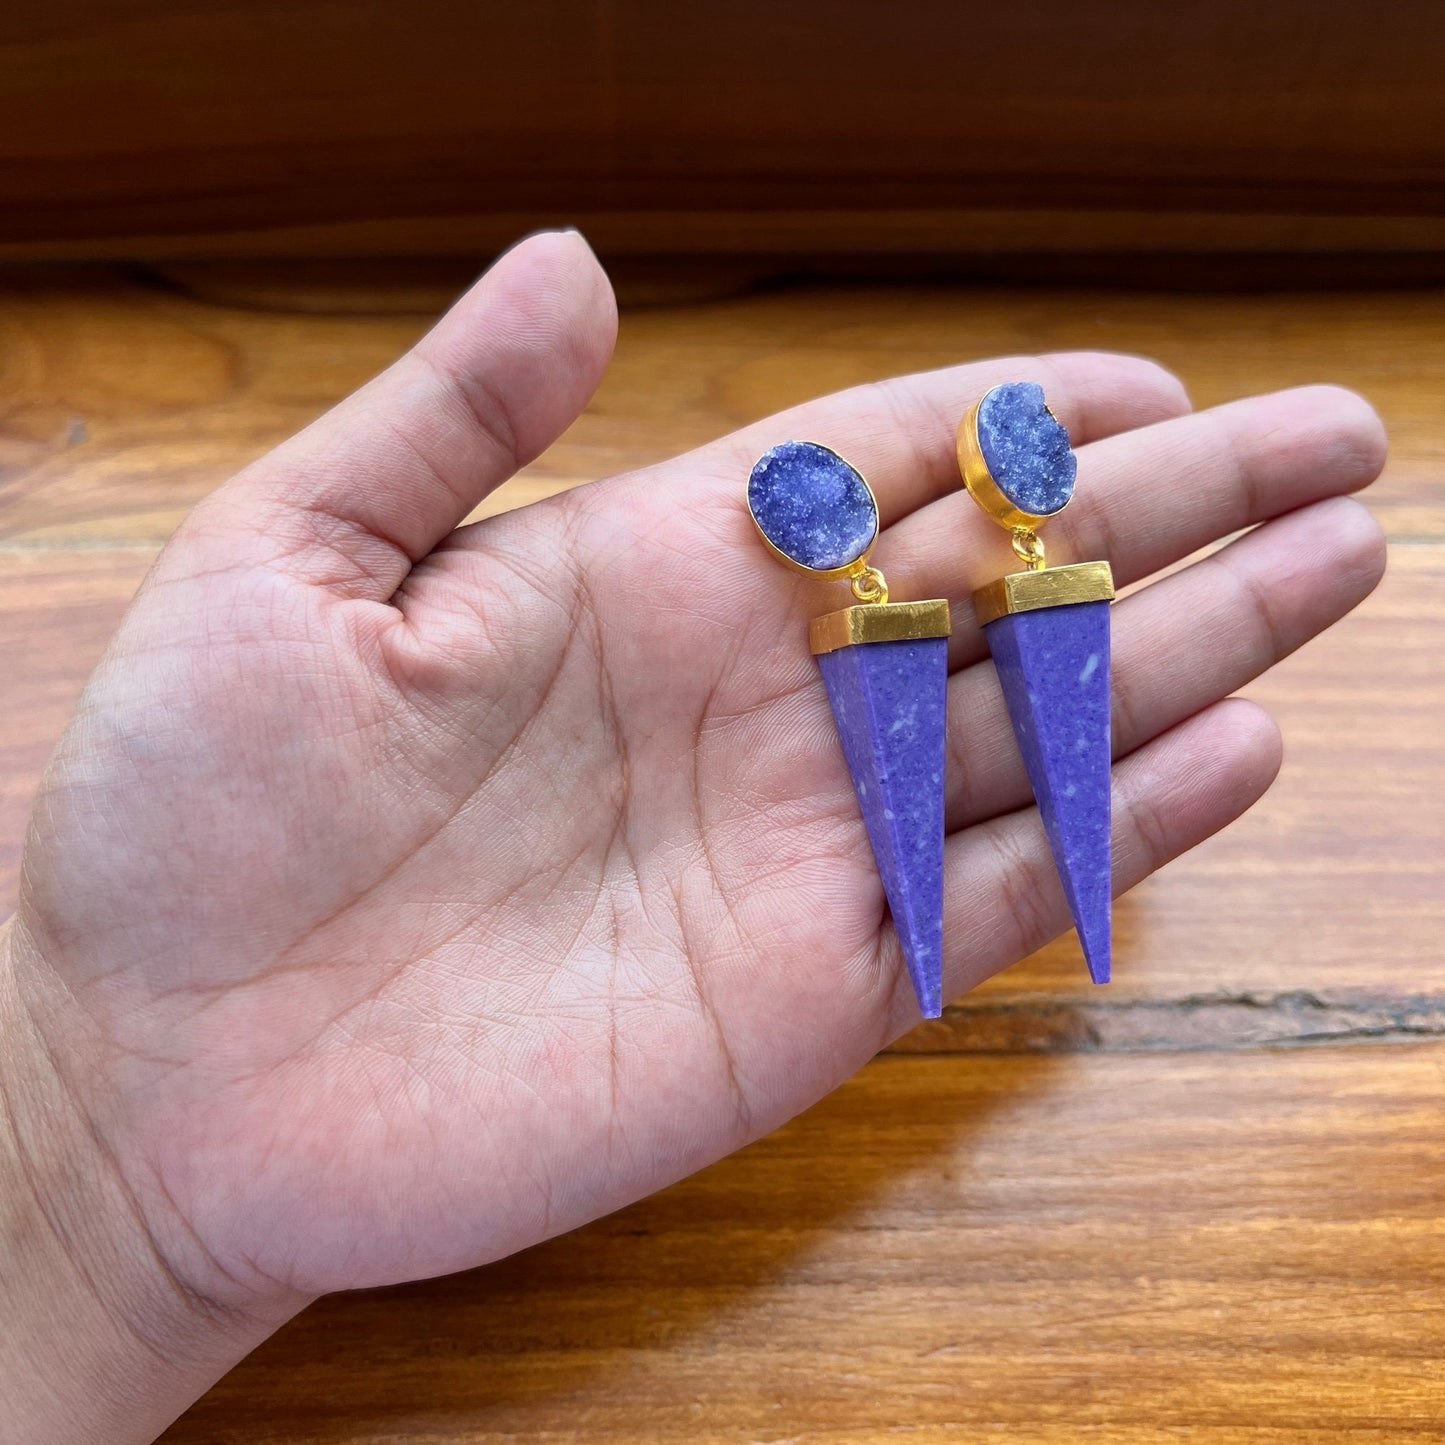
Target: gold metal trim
875 622
1053 587
979 480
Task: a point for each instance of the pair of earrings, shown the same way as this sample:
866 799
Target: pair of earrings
885 665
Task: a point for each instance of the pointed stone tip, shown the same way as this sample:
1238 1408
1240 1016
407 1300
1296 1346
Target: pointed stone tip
1095 925
927 985
927 989
1100 961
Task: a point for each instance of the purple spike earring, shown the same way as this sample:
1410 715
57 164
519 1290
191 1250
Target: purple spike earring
885 666
1048 631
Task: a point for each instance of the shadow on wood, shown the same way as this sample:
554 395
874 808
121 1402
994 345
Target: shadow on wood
691 1268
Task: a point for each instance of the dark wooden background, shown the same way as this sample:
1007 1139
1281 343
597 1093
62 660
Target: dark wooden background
304 126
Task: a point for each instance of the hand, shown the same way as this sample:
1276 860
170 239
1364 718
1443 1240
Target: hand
403 895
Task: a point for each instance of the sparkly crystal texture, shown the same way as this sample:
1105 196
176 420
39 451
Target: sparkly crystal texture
1026 448
1053 665
812 506
890 700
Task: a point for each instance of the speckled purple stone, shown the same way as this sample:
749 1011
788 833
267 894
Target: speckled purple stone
1053 664
889 700
1026 448
812 506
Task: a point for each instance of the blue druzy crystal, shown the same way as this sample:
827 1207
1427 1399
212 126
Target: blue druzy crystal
812 506
1026 448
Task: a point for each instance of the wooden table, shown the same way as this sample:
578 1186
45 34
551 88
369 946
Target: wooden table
1203 1204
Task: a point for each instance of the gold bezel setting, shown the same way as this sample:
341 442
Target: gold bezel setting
978 479
879 622
859 565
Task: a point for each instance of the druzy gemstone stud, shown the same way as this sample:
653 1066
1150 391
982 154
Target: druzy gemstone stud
813 509
1026 449
885 669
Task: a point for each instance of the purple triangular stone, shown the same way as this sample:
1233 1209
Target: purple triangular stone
1053 664
889 700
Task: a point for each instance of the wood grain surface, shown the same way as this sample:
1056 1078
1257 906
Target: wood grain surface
751 124
1204 1203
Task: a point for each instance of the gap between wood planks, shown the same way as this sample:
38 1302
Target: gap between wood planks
1202 1023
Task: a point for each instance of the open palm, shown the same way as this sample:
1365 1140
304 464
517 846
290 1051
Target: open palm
402 894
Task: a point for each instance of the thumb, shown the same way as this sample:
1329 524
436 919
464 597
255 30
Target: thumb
372 486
